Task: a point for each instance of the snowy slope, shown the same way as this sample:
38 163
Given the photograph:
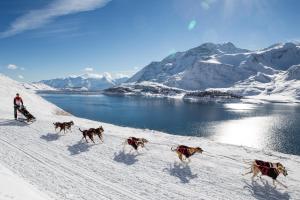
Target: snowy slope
37 87
36 104
86 81
63 167
280 87
175 65
218 66
13 187
150 89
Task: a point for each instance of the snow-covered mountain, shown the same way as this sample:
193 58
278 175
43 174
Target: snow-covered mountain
145 89
283 86
192 69
37 163
221 66
38 87
87 81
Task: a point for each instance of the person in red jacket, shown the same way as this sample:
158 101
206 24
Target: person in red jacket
18 102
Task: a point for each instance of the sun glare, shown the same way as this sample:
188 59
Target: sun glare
239 107
252 132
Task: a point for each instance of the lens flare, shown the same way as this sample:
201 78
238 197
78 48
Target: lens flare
192 25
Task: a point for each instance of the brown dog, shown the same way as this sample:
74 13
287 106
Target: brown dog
91 132
267 164
135 142
185 152
268 169
63 126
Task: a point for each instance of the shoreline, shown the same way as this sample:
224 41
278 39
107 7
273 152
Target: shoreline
244 99
178 134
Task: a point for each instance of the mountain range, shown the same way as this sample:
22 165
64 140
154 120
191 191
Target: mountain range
85 82
270 72
218 65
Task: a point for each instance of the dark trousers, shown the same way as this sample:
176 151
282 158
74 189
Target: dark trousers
16 107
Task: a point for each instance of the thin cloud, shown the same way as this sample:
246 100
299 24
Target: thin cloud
88 69
20 77
12 66
206 4
37 18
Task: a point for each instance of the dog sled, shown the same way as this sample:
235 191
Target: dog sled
29 117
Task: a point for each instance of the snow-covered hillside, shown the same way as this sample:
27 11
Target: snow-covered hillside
152 89
225 66
38 87
65 167
280 87
8 90
183 69
145 89
14 187
86 82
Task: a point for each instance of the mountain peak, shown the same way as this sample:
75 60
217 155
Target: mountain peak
91 75
222 48
105 75
228 45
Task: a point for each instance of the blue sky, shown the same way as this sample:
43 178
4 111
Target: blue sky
42 39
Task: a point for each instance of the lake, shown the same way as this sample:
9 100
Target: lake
266 126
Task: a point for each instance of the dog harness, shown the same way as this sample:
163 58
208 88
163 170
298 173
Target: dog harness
185 151
264 163
268 171
133 142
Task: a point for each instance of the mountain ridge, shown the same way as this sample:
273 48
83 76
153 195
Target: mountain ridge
87 81
224 66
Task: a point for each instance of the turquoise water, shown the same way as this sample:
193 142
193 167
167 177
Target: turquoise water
269 126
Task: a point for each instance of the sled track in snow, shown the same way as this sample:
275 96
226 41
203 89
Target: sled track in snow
70 172
132 195
87 177
73 168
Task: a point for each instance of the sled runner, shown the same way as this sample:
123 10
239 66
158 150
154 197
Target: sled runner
29 117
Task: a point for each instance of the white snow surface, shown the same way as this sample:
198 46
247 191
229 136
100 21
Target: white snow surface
280 87
63 167
14 187
37 87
